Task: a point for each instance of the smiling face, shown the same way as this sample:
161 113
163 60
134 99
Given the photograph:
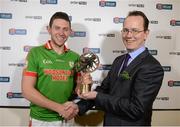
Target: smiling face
133 33
59 31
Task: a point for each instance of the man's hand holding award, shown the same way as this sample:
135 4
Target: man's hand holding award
87 63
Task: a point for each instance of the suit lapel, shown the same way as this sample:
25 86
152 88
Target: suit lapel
130 68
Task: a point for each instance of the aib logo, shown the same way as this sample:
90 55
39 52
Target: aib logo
94 50
14 31
172 83
48 1
160 6
11 95
4 79
174 22
5 16
117 20
78 34
104 3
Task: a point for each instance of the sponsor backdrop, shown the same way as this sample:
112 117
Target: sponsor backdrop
96 27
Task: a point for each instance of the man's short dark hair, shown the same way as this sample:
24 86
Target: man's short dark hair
59 15
140 13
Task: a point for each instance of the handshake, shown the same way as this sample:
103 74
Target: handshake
70 109
88 63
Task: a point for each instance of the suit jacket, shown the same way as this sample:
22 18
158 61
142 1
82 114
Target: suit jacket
128 101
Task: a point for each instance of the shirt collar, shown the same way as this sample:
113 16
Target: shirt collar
135 53
48 45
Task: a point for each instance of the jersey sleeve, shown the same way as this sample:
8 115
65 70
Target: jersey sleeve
31 64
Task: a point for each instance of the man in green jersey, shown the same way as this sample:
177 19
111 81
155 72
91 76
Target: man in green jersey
49 78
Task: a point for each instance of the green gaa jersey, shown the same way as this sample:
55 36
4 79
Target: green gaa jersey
55 77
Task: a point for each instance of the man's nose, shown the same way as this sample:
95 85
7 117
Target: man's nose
129 33
61 31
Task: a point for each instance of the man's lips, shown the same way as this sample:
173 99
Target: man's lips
60 38
129 41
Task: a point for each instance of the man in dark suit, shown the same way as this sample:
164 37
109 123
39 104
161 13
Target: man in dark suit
127 94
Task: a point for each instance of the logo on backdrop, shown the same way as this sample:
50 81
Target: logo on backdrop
94 50
48 1
136 5
167 68
119 51
117 20
107 35
160 6
153 22
5 48
172 83
79 2
78 34
4 79
93 19
17 64
163 37
174 53
104 3
33 17
153 52
104 67
14 31
19 0
11 95
5 15
162 98
174 22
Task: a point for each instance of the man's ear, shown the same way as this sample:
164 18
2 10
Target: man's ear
48 29
147 33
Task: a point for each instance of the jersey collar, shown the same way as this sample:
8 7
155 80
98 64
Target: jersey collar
49 46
